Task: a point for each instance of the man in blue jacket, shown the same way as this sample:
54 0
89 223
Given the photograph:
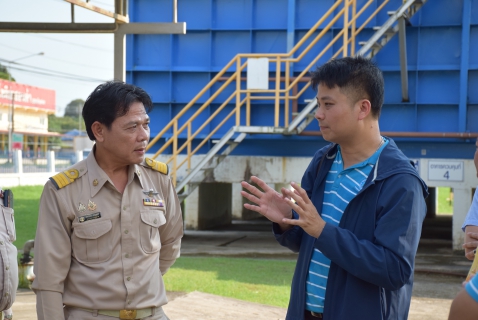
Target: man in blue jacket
356 218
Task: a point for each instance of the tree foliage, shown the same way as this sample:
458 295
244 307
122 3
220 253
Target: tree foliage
4 74
73 109
64 124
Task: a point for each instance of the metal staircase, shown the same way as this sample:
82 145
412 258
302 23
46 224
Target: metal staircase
369 49
203 170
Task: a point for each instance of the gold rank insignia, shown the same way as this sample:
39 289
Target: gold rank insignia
153 203
157 166
81 207
95 182
64 178
91 205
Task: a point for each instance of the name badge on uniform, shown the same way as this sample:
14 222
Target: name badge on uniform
153 203
92 216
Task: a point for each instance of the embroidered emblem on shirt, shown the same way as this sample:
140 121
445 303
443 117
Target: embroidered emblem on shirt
153 202
92 216
150 193
81 207
91 205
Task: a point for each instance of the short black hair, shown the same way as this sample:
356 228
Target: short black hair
111 100
358 77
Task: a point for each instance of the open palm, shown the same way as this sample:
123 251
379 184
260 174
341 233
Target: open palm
268 202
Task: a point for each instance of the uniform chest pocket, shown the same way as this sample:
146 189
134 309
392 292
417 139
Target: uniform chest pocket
7 224
151 220
92 242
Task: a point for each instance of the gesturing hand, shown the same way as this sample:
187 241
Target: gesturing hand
471 242
309 218
269 203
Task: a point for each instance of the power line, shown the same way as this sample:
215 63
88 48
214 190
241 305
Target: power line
45 70
58 75
70 43
56 59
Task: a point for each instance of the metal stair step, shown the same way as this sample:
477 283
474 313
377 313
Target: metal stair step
376 45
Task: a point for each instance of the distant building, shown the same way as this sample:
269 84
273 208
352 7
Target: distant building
31 107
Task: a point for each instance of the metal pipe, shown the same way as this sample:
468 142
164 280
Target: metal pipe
451 135
175 11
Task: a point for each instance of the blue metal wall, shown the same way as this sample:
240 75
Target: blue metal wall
442 51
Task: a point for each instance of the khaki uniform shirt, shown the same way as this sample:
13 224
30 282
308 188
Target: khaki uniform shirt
105 250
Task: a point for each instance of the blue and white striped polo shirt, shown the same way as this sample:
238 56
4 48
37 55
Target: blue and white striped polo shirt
341 186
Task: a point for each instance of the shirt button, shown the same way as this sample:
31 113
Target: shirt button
340 175
1 243
155 221
124 207
7 267
126 255
129 302
129 278
126 231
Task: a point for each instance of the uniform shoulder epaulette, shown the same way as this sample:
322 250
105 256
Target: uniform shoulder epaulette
64 178
157 166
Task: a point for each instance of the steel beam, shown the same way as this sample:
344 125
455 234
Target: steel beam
402 40
41 27
117 16
153 28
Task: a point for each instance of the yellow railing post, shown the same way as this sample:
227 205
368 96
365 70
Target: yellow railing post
354 26
346 27
248 109
175 149
286 100
238 91
189 146
277 93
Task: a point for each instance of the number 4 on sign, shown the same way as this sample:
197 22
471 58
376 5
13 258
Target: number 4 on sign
446 175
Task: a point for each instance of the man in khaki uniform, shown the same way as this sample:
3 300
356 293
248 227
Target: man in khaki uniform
8 260
110 226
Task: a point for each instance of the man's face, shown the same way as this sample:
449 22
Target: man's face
475 159
125 142
336 114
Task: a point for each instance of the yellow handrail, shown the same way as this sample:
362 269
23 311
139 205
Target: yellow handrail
282 85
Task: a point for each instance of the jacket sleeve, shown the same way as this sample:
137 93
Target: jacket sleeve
171 232
52 253
388 260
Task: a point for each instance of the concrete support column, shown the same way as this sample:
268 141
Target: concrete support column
18 161
50 159
461 204
237 204
191 210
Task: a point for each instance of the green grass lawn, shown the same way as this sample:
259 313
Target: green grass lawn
445 200
256 280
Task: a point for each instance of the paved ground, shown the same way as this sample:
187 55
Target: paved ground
438 278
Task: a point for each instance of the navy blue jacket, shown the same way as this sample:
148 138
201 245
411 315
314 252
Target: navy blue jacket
372 250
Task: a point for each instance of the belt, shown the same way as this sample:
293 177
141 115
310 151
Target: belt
123 314
315 314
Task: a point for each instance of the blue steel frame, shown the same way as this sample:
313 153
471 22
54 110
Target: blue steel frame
442 49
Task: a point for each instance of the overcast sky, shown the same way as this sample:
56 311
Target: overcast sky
80 55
